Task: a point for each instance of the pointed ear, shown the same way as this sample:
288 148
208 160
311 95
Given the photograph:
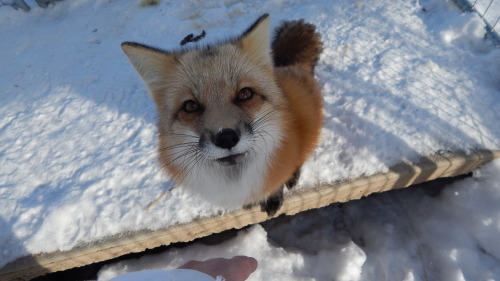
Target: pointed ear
153 65
255 40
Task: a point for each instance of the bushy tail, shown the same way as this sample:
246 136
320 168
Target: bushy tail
297 43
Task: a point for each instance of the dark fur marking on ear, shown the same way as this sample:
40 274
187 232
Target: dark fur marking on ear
254 25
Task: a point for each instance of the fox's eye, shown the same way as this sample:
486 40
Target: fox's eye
244 94
191 106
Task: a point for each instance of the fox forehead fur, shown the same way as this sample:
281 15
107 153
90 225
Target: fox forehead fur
226 126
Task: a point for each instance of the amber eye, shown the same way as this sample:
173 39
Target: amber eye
244 94
191 106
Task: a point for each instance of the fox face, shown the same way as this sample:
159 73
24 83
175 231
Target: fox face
220 98
220 113
235 124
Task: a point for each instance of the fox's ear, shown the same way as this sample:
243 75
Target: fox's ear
255 40
152 64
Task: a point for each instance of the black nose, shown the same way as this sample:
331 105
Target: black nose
226 138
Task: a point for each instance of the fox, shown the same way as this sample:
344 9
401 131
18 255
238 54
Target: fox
237 119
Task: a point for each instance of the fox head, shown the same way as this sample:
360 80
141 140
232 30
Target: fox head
219 112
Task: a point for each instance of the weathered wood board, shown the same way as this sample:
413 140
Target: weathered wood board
443 164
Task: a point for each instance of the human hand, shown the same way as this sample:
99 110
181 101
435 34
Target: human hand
237 268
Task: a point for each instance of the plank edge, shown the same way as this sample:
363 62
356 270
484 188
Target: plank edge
441 164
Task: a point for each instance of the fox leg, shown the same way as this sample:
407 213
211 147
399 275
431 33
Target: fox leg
273 203
294 179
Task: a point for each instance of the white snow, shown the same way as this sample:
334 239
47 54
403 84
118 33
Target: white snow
403 235
400 79
488 10
162 275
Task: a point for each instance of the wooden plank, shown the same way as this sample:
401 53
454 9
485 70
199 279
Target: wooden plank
443 164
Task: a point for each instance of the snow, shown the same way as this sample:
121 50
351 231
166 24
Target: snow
398 235
162 275
400 79
488 10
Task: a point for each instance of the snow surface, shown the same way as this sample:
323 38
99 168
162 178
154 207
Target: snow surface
400 79
398 235
162 275
489 10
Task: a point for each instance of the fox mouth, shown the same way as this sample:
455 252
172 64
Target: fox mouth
231 159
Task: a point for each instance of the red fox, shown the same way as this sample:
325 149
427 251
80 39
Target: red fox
237 119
